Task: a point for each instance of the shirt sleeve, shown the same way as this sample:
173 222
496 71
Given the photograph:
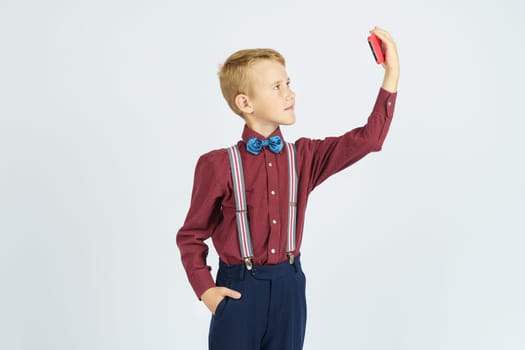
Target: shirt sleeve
333 154
203 216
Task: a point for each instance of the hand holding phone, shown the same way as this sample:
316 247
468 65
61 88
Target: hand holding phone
377 47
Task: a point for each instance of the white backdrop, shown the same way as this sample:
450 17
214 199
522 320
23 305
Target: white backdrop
105 107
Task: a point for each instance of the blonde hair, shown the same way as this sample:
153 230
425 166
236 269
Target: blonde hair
233 74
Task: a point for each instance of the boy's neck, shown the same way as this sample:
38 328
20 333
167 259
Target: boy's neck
265 130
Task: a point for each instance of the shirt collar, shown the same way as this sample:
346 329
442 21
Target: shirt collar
249 133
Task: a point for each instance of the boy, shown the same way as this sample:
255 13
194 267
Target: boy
251 199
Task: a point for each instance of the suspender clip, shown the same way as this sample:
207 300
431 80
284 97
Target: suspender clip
291 258
248 263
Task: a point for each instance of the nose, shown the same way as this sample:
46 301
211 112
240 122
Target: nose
290 94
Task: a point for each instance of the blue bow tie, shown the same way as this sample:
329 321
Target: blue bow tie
274 143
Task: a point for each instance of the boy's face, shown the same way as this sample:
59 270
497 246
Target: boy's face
270 95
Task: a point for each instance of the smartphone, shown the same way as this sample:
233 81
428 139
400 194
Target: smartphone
377 47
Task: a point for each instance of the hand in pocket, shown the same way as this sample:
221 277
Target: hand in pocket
215 295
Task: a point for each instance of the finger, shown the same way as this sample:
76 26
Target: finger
377 30
230 293
382 34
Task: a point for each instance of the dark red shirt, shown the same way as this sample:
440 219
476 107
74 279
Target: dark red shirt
212 208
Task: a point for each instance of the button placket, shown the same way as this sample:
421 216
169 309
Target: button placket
273 207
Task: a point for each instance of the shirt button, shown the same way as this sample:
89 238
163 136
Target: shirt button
273 192
274 221
270 164
389 103
273 251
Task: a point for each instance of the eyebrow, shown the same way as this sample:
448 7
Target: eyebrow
280 81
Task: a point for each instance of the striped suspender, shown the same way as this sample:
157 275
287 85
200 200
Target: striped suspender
292 202
243 228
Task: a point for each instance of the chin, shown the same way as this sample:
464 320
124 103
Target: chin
288 122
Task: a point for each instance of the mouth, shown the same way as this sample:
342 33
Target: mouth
290 108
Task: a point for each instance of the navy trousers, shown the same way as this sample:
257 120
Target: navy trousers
271 314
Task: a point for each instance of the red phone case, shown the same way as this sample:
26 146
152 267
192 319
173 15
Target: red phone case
377 48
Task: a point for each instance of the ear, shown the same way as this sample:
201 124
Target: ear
242 102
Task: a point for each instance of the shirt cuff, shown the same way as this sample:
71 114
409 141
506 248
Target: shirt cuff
385 103
201 281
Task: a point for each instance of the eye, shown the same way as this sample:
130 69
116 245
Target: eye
277 87
288 83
